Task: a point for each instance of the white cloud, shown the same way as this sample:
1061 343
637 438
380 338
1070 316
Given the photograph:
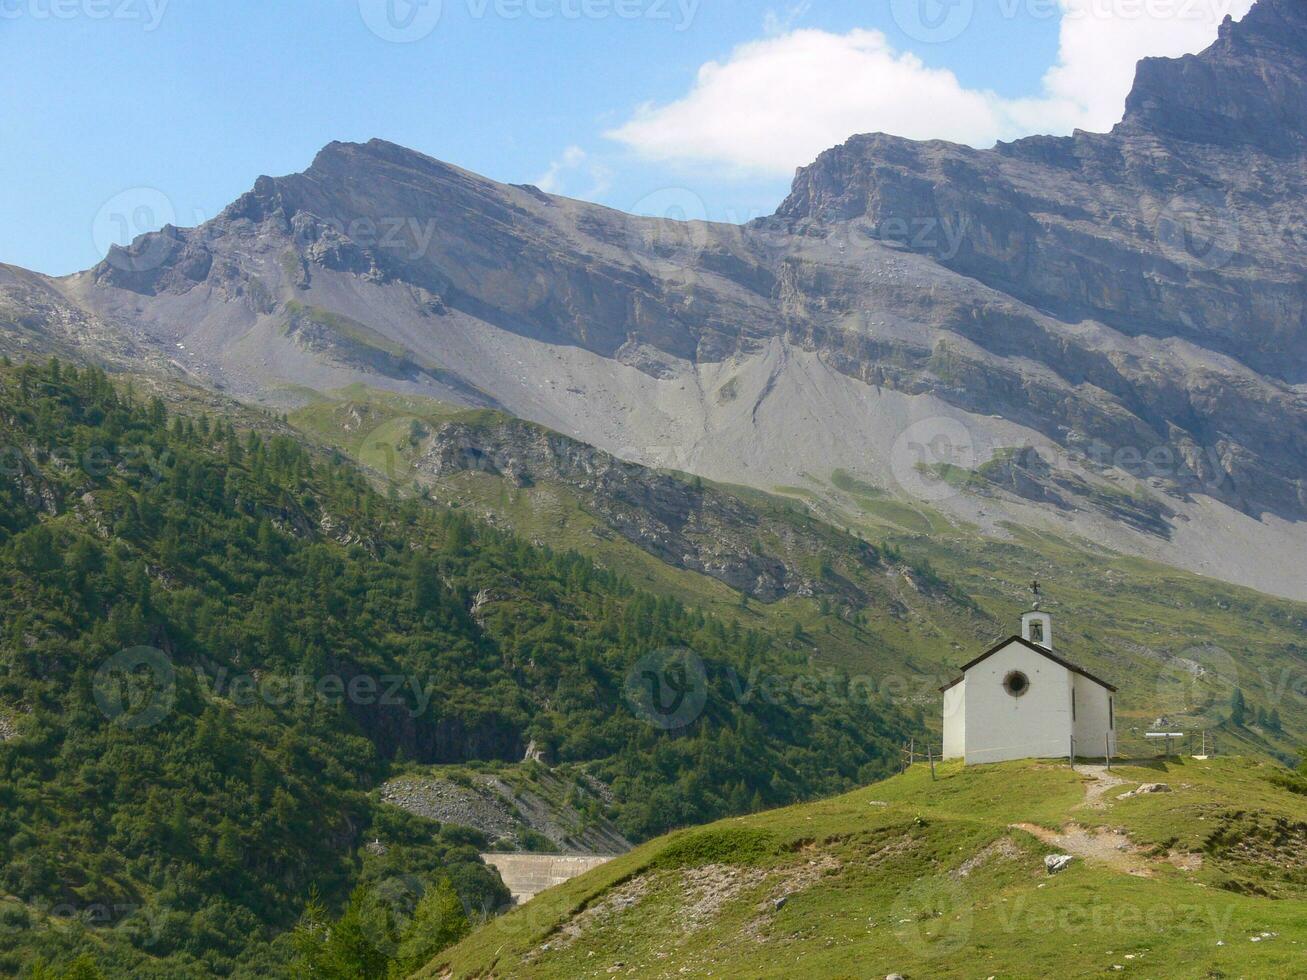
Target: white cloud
551 181
575 160
779 102
776 103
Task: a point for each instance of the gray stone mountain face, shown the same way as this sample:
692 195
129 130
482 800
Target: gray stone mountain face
1183 232
758 550
1126 308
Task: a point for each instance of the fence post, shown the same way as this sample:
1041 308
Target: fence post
930 757
912 752
1071 758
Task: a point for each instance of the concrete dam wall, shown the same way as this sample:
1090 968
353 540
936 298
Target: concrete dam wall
527 875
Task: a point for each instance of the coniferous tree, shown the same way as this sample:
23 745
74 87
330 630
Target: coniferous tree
438 923
1238 707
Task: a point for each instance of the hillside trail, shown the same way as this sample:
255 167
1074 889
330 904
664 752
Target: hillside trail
1103 845
1104 780
1100 846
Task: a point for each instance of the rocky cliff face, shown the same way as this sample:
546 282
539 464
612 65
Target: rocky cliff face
1170 253
1249 90
1187 221
767 551
1132 304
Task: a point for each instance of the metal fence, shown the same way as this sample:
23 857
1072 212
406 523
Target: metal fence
1129 745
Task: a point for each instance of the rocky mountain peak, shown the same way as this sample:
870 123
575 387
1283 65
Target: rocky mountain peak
1247 92
257 205
1248 88
1182 222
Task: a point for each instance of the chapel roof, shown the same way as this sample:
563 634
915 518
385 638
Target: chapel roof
1042 651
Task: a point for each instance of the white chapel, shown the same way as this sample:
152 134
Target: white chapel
1019 700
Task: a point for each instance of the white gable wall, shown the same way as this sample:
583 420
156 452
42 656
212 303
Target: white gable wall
998 726
1093 724
955 721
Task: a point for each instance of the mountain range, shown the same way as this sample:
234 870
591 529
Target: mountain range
387 420
1112 323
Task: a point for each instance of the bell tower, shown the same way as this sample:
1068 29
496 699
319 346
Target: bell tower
1037 626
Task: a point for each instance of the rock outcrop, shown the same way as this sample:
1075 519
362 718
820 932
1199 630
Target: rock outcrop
767 552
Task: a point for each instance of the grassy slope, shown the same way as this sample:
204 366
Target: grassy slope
1125 618
873 884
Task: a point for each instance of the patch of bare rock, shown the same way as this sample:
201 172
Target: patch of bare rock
705 891
1145 790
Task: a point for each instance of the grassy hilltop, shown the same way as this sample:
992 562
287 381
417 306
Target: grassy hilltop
947 878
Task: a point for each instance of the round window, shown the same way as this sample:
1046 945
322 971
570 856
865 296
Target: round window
1016 683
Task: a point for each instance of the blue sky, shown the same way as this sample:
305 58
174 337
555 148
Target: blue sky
183 103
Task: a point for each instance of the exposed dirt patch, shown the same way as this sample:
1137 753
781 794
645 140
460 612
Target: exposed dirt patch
890 848
707 890
1003 849
1096 789
1101 846
1185 860
625 896
786 884
710 888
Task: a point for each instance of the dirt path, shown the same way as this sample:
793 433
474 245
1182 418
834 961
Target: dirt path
1101 845
1104 780
1109 847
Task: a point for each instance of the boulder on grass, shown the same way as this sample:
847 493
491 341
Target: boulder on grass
1057 862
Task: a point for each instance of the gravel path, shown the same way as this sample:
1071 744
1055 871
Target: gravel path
1104 780
1102 845
1110 847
